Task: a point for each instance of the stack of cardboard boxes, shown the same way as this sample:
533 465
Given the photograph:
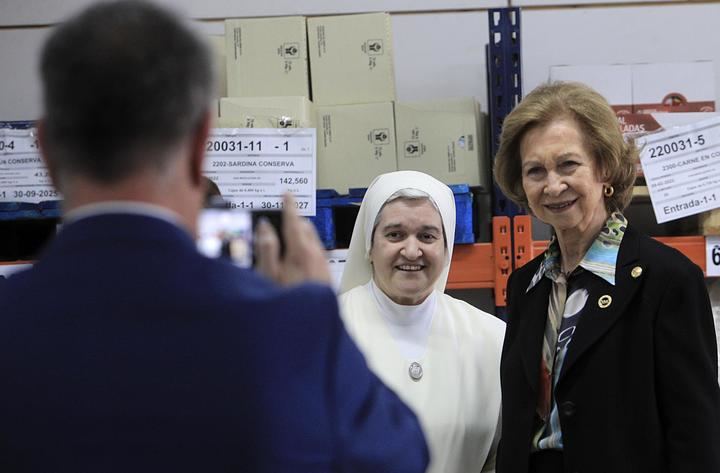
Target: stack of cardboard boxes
353 87
649 97
266 71
443 139
275 66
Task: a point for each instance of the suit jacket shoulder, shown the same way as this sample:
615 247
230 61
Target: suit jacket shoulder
159 358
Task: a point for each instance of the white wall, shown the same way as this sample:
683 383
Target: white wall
437 55
439 44
621 34
19 84
43 12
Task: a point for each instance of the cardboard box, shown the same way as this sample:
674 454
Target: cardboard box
441 138
648 88
351 59
266 112
674 87
612 81
709 222
217 45
266 56
640 212
356 143
638 124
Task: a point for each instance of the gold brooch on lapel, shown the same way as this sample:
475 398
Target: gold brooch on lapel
604 301
636 272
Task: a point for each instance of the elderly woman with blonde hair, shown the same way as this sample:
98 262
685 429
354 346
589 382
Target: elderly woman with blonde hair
609 362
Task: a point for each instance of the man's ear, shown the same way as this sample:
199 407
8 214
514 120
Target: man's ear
42 141
197 150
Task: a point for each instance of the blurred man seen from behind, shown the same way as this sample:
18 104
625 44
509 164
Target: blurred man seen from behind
123 349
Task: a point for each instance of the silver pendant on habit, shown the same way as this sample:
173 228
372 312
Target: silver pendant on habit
416 371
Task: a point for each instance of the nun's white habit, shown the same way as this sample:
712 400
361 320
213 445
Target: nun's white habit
442 357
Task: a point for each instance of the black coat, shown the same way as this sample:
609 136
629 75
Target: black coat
638 390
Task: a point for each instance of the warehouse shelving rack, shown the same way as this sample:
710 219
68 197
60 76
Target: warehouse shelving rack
525 248
488 265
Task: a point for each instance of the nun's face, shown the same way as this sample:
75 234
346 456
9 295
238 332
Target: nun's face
408 250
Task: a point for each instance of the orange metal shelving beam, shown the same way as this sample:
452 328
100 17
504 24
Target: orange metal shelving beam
472 267
526 249
484 265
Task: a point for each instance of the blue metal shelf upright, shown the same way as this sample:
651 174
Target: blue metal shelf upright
504 81
504 85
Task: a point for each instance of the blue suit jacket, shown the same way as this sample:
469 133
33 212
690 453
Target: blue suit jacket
123 349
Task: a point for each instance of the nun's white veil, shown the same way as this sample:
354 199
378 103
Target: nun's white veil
358 270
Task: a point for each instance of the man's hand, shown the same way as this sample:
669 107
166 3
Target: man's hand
304 258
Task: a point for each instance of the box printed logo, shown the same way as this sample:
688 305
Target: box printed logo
290 50
373 47
380 136
412 149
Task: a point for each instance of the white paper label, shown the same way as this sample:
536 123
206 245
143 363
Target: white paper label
712 255
253 167
23 176
336 262
682 169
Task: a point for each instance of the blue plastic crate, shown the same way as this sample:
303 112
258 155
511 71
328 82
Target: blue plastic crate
330 207
357 192
326 193
463 214
335 219
50 208
324 224
18 124
18 211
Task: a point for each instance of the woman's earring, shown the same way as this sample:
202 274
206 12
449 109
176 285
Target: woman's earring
608 191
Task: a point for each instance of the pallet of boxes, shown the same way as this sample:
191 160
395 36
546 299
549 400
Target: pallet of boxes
363 131
337 74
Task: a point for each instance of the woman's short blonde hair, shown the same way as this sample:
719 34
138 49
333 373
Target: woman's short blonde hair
615 157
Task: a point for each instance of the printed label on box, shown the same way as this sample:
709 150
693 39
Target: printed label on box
23 175
290 50
682 169
373 47
254 167
414 149
380 136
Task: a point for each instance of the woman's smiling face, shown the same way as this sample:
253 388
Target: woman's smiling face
560 177
408 250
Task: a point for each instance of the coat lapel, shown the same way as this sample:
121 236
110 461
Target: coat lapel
534 315
598 316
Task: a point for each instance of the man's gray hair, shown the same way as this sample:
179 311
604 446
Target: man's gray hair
122 82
